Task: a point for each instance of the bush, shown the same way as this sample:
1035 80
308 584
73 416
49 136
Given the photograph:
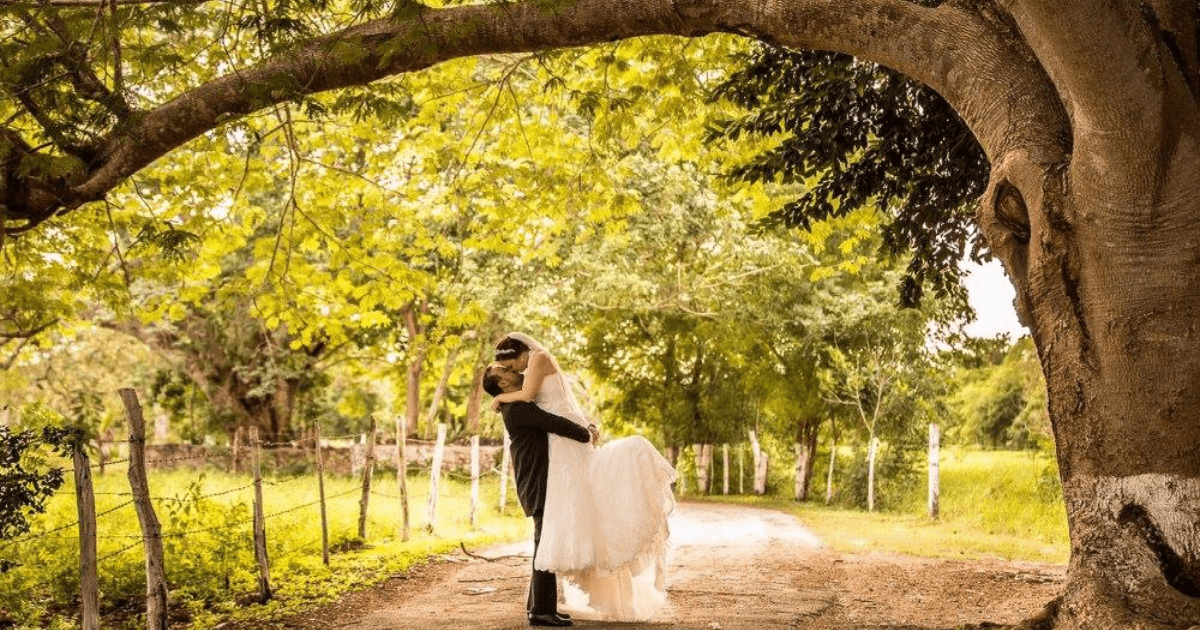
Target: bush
898 478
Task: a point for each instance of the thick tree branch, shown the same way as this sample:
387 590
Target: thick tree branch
29 333
1113 70
964 53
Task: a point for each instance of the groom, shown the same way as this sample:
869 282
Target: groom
528 426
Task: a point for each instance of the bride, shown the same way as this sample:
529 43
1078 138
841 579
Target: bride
605 524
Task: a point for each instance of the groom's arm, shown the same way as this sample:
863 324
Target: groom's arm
530 415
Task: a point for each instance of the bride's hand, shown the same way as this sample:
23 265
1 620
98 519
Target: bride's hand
495 405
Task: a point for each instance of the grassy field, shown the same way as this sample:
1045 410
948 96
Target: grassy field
208 545
993 504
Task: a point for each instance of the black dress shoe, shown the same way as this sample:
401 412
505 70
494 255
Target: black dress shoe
553 620
562 616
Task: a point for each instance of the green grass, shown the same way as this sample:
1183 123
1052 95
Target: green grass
993 504
211 571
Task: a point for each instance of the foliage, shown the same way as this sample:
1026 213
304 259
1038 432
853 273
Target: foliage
27 481
1000 403
883 379
853 133
899 469
208 549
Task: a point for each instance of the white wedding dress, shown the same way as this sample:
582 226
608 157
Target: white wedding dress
604 529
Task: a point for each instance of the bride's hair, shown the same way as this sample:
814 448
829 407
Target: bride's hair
509 348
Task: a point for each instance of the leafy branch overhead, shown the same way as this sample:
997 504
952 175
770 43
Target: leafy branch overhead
90 102
850 134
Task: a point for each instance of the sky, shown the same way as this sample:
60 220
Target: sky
991 295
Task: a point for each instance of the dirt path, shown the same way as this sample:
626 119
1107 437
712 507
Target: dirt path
733 567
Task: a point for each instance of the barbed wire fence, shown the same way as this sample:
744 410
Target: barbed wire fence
151 536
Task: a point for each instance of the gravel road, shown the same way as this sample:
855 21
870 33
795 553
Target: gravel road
733 567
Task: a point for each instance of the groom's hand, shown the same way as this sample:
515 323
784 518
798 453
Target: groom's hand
595 434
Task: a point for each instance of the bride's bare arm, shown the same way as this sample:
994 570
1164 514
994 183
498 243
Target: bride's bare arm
540 366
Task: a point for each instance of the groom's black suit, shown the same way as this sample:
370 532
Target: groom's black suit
528 427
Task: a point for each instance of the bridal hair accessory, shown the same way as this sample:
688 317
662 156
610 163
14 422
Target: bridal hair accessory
504 353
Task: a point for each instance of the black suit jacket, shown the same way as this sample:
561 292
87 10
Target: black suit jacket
528 426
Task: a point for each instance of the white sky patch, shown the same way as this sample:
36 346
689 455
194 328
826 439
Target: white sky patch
991 295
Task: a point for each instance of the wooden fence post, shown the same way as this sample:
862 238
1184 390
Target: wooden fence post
504 472
402 472
474 477
85 502
260 522
725 466
703 467
435 473
368 470
321 494
935 437
156 578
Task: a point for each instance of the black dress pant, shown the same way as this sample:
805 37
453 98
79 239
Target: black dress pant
543 585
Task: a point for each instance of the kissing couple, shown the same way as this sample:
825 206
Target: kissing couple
599 512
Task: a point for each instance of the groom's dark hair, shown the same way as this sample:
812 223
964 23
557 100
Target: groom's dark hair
491 382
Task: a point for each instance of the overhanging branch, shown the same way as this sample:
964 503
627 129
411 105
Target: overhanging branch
964 55
27 333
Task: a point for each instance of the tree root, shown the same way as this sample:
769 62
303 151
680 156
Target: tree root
1092 613
1044 620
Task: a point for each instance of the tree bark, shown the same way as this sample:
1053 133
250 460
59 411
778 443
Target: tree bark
1100 243
416 360
807 431
440 390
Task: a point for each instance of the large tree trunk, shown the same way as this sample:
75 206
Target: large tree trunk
1103 250
1098 225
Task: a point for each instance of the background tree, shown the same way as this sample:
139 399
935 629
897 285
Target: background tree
1001 401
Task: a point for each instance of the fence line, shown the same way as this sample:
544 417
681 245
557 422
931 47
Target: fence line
151 537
